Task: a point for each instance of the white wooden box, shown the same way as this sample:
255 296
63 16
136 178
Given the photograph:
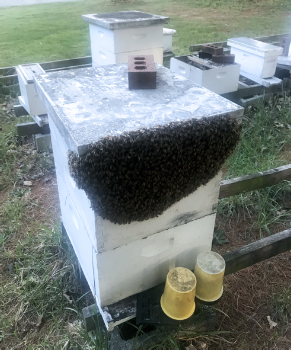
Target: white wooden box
125 40
255 57
115 35
168 39
131 268
30 99
219 79
106 235
102 56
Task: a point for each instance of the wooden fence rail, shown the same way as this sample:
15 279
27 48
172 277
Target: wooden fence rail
255 181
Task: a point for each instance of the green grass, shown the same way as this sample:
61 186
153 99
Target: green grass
265 139
265 143
45 32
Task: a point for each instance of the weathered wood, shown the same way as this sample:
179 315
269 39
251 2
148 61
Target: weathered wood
9 80
70 67
200 61
20 111
257 251
256 100
7 71
253 182
26 129
66 63
251 91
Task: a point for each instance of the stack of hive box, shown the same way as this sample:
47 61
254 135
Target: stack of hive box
121 144
115 35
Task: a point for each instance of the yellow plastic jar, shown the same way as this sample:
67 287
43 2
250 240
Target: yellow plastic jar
209 272
178 300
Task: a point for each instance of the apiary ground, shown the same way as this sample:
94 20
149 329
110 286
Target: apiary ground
249 296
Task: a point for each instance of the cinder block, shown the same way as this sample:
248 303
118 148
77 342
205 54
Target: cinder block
42 142
213 49
141 72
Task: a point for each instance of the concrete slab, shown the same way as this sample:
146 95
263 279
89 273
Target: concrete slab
88 104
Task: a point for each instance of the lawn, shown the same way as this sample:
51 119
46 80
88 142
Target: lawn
42 288
46 32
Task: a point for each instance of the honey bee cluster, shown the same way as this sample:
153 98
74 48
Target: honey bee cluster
139 174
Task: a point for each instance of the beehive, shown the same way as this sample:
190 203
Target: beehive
138 172
115 35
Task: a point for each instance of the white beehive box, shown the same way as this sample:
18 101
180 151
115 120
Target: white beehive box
115 35
121 260
221 79
101 56
106 235
255 57
168 39
29 98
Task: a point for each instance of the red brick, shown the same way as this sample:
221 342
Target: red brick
141 72
213 49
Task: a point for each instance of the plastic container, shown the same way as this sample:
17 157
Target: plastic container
255 57
209 272
178 300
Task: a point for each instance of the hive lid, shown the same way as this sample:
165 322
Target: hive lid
88 104
28 70
254 46
168 31
125 19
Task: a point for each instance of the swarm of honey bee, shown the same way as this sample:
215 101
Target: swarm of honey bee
139 174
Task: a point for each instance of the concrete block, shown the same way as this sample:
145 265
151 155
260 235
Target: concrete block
42 142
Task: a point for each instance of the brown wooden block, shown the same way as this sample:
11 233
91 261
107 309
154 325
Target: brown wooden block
223 58
141 72
213 49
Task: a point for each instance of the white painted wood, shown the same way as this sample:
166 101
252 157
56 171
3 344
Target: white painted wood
29 97
255 57
219 79
168 39
79 238
106 235
102 56
126 39
118 273
143 264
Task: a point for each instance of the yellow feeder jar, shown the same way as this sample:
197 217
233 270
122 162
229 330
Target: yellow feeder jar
178 300
209 272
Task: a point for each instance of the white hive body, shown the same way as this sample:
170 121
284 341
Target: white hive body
29 98
168 39
221 79
255 57
86 105
116 35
